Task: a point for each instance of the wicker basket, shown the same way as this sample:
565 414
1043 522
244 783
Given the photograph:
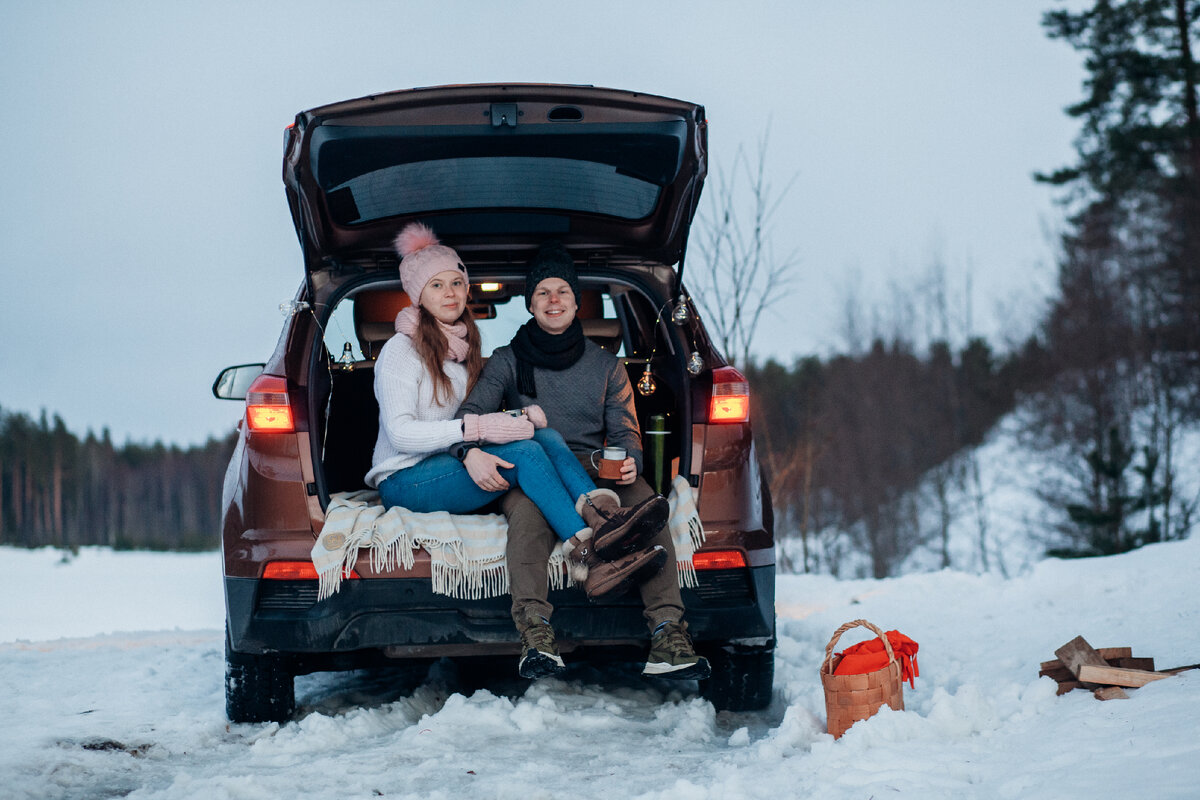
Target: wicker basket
849 698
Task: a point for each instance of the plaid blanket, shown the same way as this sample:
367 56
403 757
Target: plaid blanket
466 551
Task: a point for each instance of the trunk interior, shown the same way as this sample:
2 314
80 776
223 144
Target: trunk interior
621 317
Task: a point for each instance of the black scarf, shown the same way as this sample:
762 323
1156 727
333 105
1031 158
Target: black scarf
533 347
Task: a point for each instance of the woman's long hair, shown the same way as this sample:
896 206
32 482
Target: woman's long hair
431 347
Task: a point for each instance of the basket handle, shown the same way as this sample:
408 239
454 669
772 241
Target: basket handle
827 664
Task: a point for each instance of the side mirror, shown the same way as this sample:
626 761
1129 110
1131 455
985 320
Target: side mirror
234 382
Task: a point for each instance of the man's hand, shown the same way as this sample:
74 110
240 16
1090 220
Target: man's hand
483 467
628 471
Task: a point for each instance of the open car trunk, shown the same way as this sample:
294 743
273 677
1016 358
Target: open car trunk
619 316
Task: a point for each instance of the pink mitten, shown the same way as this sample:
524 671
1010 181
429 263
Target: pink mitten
536 416
496 428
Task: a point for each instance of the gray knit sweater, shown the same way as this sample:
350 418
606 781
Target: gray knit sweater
590 403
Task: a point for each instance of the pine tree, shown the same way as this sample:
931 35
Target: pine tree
1138 168
1122 336
1104 526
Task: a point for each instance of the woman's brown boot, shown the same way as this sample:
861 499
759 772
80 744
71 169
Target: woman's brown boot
599 577
621 529
624 572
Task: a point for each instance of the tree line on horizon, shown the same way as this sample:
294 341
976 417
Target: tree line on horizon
59 490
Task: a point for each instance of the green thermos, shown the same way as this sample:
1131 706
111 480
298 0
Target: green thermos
656 448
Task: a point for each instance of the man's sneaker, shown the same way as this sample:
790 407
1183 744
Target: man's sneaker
539 653
672 655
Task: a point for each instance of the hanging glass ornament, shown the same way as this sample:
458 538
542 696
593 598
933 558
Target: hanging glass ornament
695 364
347 359
681 315
646 384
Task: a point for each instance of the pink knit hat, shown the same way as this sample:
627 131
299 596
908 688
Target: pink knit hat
421 257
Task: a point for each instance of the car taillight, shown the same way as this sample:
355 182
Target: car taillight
267 407
718 559
293 571
730 396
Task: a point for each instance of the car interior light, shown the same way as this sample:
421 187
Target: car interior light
718 559
490 287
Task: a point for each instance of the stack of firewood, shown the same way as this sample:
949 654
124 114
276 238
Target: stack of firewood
1106 672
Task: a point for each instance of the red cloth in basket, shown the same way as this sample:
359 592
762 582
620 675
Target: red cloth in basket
870 655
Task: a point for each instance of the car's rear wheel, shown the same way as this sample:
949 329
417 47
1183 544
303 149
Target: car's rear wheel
741 680
258 688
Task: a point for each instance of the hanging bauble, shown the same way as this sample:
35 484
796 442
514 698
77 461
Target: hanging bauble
680 315
646 384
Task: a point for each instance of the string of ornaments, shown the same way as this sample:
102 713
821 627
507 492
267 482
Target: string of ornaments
680 315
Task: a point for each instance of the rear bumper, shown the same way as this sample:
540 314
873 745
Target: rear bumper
402 618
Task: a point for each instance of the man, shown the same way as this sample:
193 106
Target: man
586 396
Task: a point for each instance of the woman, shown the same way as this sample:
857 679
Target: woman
421 377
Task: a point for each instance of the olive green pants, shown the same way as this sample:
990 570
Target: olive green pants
530 543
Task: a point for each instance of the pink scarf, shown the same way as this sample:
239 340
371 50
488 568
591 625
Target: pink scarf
456 335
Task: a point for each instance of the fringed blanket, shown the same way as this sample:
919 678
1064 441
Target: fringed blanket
466 551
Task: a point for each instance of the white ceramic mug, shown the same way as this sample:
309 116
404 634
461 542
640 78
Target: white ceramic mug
611 460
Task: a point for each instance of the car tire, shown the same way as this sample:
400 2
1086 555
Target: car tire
482 672
741 681
258 688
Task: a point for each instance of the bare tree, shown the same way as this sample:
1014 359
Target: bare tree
743 277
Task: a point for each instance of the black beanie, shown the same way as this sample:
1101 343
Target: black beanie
552 261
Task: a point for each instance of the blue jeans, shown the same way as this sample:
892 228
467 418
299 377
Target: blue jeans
544 467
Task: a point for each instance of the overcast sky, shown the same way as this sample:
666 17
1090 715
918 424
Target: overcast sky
147 241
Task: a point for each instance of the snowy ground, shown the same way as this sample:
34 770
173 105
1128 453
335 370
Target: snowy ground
111 671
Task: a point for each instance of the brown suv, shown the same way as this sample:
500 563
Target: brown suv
495 170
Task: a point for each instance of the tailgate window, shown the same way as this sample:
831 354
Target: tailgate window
462 183
372 173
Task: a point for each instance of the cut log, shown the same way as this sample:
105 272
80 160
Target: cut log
1177 670
1078 653
1115 676
1132 663
1107 653
1066 686
1059 674
1110 693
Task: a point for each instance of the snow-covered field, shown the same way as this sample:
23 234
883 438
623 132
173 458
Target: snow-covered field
111 669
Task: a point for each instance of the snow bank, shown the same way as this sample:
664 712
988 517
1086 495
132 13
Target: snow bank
96 711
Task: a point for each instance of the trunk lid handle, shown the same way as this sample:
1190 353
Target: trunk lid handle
504 114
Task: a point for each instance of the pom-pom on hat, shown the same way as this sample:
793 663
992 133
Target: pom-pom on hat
551 261
421 257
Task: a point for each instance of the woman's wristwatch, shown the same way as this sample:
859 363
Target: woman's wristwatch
460 449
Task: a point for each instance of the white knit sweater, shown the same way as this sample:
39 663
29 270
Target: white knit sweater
411 425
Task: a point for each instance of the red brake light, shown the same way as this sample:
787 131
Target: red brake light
730 396
267 407
293 571
718 559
